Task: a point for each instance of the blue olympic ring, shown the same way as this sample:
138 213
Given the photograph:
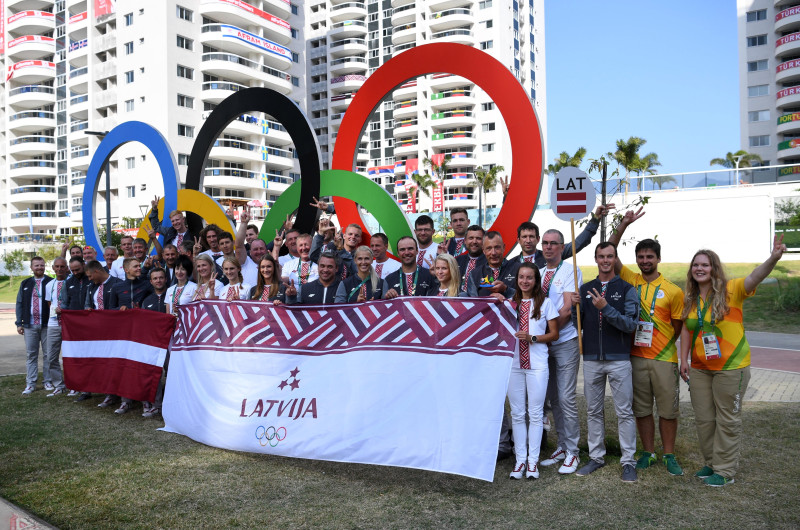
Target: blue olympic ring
265 438
129 131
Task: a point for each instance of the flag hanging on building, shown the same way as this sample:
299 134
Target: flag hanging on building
115 352
438 197
411 382
412 166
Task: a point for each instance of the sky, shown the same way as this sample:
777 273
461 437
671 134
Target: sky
664 71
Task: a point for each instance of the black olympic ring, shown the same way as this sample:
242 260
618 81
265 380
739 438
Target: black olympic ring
265 438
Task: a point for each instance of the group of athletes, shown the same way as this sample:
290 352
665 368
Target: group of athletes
629 321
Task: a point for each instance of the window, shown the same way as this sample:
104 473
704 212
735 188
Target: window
183 159
295 9
131 191
128 48
485 4
487 148
375 144
129 19
374 126
487 127
753 16
129 105
185 130
185 43
489 23
185 101
758 115
759 141
485 45
129 76
185 14
757 90
130 162
487 106
185 72
295 33
295 81
387 13
758 40
373 17
757 66
295 57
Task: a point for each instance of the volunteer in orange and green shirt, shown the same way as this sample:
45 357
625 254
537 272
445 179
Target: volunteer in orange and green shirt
720 367
654 357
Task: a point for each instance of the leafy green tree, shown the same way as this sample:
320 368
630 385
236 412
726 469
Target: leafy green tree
565 160
627 156
747 159
14 262
660 180
485 180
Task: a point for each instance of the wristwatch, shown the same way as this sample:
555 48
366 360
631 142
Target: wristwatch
533 338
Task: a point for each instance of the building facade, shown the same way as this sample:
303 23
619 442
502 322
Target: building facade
769 79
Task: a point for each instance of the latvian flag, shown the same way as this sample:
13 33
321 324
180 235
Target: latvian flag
115 352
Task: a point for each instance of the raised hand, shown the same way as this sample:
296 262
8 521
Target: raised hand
291 290
321 205
287 225
154 203
597 299
631 216
505 182
778 247
198 247
603 210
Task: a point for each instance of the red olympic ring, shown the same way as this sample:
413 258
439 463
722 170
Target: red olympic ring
265 438
502 87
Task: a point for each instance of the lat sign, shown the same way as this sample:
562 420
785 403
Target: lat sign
573 195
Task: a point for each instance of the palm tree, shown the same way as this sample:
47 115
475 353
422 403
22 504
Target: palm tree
423 182
485 179
660 180
439 171
627 156
646 166
729 161
565 160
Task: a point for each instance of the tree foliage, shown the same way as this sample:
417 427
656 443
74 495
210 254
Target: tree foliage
747 159
566 160
14 262
485 179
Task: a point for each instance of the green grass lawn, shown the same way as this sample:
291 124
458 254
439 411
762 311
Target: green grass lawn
77 466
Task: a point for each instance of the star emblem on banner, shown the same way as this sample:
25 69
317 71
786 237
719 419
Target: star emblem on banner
295 381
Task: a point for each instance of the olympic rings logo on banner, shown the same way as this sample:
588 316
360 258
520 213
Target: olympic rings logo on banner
266 437
341 182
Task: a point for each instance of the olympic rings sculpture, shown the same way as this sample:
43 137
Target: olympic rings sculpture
265 437
341 182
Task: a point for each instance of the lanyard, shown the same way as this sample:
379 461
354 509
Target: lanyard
403 282
560 263
176 295
701 316
653 304
349 296
299 266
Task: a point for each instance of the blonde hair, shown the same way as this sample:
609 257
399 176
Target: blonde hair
206 258
718 295
235 262
373 276
455 274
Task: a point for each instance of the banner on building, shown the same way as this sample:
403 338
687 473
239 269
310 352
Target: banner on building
438 197
411 382
264 45
104 7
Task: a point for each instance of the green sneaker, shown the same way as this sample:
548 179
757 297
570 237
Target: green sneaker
672 465
704 473
646 460
717 481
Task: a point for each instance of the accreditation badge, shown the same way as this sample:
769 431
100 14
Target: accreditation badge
710 345
644 334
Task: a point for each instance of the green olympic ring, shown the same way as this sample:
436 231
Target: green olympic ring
265 438
361 190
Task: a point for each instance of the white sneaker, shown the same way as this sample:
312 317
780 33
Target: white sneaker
570 464
517 472
49 387
546 423
532 471
558 455
28 390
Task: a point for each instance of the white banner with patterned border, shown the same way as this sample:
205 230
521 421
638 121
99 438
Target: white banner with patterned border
413 382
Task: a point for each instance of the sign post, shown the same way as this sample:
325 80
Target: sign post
573 196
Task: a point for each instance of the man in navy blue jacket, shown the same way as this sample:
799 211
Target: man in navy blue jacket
32 316
609 314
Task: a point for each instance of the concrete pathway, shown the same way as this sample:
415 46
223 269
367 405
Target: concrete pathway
15 518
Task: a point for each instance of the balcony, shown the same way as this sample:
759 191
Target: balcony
788 71
347 65
242 14
400 3
31 72
105 42
219 177
236 40
340 102
404 33
348 28
240 69
450 18
788 44
403 47
460 200
453 118
789 149
216 91
78 55
458 36
404 14
30 23
77 26
79 157
405 127
453 139
343 47
450 99
406 91
35 218
789 122
347 83
457 179
348 11
76 134
32 168
788 96
443 82
236 151
404 109
788 20
78 80
441 5
32 145
460 157
32 194
79 106
31 96
31 121
29 4
405 146
30 47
